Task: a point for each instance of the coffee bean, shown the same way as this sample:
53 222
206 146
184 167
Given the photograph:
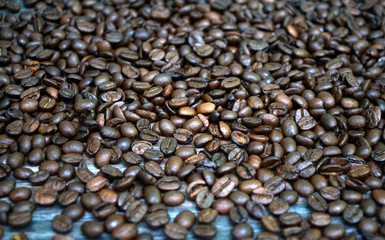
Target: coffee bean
92 229
317 202
205 231
319 219
19 219
157 219
135 211
61 223
204 199
379 196
45 196
175 231
278 206
270 223
185 218
74 212
125 231
352 214
238 214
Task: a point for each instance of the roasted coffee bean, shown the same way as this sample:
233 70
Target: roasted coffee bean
92 229
175 231
238 214
103 210
74 212
379 196
337 207
290 196
368 206
270 223
135 211
20 219
61 223
317 202
185 218
204 199
157 219
168 146
125 231
290 219
207 216
19 194
68 197
256 210
242 230
278 206
45 196
205 231
262 195
319 219
173 198
352 214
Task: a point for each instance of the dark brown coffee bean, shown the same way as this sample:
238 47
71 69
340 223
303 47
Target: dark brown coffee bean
157 219
205 231
379 196
61 223
262 195
103 210
173 198
168 146
270 223
45 196
19 219
278 206
204 199
19 194
238 214
352 214
92 229
175 231
185 218
319 219
74 212
256 210
223 186
317 202
125 231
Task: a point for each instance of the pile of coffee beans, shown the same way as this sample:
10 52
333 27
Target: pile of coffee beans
126 109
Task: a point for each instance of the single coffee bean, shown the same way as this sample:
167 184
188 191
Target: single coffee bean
61 223
205 231
19 219
157 219
92 229
352 214
125 231
135 211
204 199
45 196
74 212
175 231
317 202
185 218
207 216
319 219
270 223
238 214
